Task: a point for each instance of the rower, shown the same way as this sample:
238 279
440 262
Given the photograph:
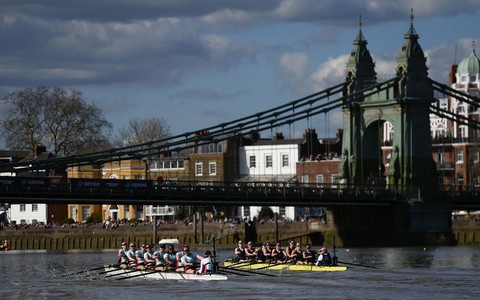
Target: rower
122 256
278 254
159 260
190 260
297 254
289 249
308 255
267 252
178 258
240 252
148 257
132 260
170 258
250 251
139 257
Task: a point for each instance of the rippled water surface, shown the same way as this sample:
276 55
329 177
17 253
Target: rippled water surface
387 273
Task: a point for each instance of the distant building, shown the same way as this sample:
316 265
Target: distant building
281 160
36 213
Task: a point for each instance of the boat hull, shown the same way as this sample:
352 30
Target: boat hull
289 267
115 273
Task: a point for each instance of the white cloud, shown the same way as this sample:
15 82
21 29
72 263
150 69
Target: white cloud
294 65
329 73
227 16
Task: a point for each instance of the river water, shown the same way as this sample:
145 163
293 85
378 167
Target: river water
385 273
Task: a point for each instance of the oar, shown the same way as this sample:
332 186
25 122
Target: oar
142 273
114 269
126 271
248 271
222 270
357 265
241 264
85 271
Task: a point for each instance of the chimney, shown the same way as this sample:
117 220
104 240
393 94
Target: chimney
254 136
278 136
40 149
451 76
339 133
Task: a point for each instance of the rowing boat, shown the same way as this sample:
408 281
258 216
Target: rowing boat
289 267
116 273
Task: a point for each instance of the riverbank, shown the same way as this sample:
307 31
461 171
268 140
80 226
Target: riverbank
466 232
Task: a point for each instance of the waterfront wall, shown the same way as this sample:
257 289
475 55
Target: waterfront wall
96 237
466 232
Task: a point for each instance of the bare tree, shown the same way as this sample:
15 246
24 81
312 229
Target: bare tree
143 131
23 123
59 119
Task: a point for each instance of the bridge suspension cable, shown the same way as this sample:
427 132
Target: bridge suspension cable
285 114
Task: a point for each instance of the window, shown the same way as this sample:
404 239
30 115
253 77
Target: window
335 180
85 212
441 157
319 180
463 131
285 160
246 211
253 162
305 179
282 211
73 212
268 161
212 167
476 156
473 78
459 156
22 207
34 207
198 169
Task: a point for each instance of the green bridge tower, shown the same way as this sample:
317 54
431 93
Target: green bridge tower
404 101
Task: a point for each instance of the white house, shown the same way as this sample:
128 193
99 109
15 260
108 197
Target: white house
28 213
270 161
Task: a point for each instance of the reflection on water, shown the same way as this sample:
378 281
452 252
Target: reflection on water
388 273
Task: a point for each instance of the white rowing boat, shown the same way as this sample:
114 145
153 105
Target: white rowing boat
116 273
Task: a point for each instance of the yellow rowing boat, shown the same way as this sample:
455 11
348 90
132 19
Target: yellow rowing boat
289 267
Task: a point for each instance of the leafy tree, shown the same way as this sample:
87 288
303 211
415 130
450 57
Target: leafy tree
58 119
142 131
265 213
94 218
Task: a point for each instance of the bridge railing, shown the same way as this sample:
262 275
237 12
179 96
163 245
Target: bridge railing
263 193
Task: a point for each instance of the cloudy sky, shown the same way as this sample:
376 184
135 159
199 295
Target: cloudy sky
199 63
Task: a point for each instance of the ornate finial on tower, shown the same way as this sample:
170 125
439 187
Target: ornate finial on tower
411 31
360 36
473 46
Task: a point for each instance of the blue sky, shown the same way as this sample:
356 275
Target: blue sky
200 63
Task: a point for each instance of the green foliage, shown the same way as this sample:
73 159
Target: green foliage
69 221
94 218
266 213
